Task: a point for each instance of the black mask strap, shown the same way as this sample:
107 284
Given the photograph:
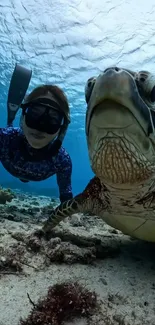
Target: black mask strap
58 142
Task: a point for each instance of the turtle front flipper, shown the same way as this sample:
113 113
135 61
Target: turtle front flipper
86 202
63 211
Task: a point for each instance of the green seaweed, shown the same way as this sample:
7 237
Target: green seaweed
6 195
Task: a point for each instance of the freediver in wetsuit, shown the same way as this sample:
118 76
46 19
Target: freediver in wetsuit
33 151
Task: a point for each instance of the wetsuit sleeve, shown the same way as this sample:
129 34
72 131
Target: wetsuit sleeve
64 178
3 140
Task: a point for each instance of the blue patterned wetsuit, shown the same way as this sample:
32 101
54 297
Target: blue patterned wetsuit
23 162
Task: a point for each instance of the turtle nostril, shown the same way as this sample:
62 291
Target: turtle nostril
112 68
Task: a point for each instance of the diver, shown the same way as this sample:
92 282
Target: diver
33 151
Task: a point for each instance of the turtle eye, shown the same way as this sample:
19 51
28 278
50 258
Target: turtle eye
152 95
89 87
146 82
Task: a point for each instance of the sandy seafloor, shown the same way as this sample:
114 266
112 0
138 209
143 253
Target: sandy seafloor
120 269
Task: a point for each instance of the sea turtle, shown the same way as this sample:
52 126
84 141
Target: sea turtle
120 121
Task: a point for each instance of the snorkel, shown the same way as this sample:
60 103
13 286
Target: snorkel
18 87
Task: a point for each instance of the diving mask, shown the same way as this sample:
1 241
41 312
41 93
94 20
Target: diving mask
43 114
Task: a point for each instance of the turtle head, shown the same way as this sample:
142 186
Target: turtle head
120 121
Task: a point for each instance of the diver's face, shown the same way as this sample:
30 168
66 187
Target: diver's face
35 138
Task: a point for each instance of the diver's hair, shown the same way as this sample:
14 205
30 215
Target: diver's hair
54 90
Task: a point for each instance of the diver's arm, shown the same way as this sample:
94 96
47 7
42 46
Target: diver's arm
64 178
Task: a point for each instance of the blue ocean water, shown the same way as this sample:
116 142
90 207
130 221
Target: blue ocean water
65 42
